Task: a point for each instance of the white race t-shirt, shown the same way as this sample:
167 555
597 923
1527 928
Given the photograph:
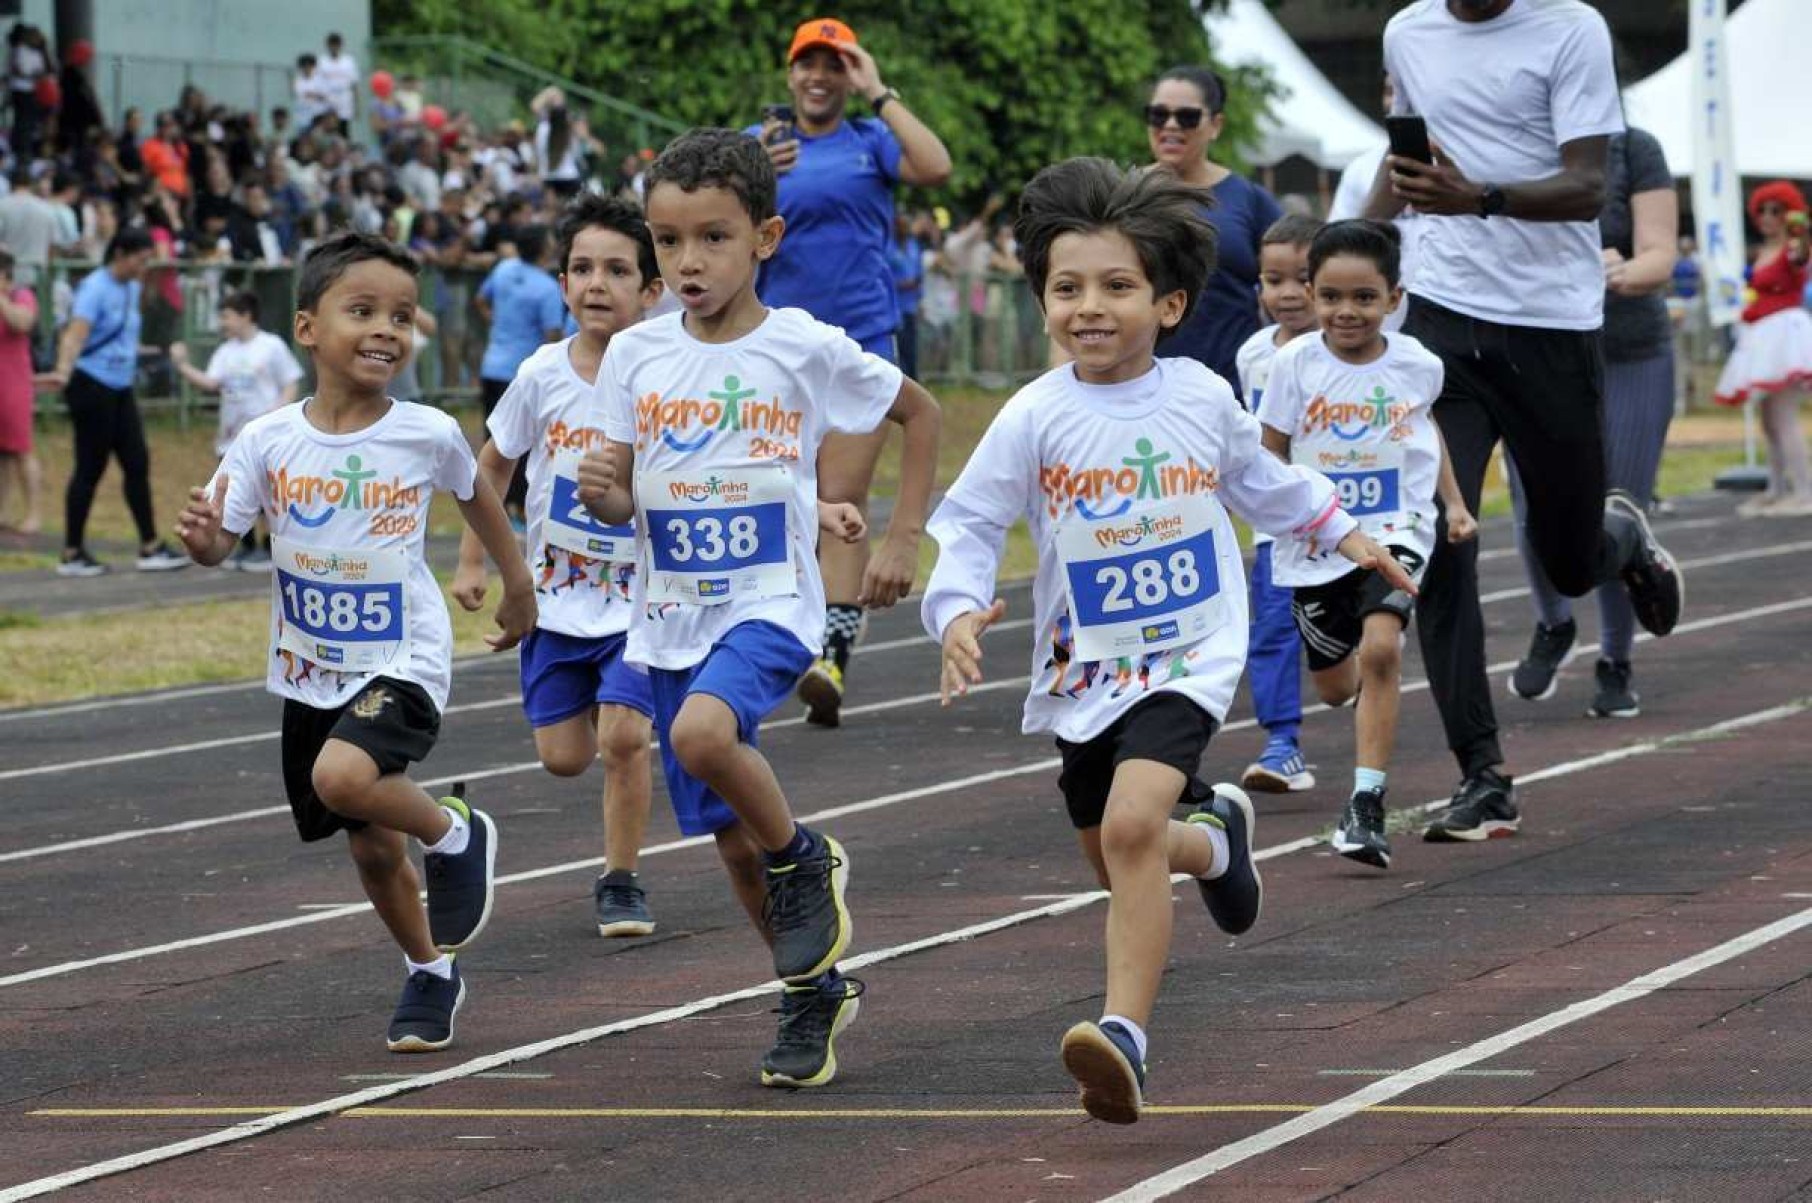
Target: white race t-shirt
252 374
1501 97
340 495
698 414
1252 362
548 415
339 74
1368 428
1118 460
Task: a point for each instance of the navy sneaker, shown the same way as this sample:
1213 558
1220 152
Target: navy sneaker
621 905
1656 588
811 1016
1483 808
1279 769
1614 697
1535 678
1360 835
805 913
1236 897
1105 1063
423 1022
460 886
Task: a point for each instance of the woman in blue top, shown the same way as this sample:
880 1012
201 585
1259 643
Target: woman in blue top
837 177
97 359
1184 118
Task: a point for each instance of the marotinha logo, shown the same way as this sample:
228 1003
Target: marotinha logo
1139 530
712 490
726 410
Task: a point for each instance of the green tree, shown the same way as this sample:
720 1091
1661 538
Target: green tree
1010 85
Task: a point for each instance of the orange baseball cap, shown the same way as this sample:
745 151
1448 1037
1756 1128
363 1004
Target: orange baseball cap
820 31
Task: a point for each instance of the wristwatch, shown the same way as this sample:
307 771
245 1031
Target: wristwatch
1492 201
880 102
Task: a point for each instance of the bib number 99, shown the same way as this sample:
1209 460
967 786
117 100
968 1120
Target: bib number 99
1149 584
1363 493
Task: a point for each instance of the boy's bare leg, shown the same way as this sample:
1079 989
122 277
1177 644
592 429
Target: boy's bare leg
1380 660
704 740
390 882
622 740
748 875
346 780
1136 853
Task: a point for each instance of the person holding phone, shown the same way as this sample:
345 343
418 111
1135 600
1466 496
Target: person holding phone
837 179
1520 102
1356 185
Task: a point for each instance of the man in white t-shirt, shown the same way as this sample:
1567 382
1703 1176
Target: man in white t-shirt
339 73
1520 98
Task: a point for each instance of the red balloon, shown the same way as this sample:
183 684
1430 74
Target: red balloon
382 84
48 91
433 116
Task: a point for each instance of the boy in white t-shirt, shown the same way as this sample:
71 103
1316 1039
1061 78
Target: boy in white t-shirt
713 418
1355 405
1274 654
361 645
254 371
1118 461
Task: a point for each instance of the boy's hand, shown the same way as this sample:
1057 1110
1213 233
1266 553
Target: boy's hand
1461 525
179 353
890 573
1364 551
842 520
962 650
515 619
469 584
198 526
597 475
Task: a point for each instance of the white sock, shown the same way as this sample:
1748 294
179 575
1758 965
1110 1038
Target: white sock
441 966
454 842
1137 1032
1217 840
1364 779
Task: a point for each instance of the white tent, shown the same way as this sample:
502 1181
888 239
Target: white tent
1770 94
1311 118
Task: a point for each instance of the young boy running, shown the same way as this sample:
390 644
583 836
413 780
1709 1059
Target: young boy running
581 696
1119 462
1354 404
254 371
361 646
1274 653
714 416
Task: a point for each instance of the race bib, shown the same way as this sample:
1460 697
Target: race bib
570 526
717 535
343 610
1368 481
1143 582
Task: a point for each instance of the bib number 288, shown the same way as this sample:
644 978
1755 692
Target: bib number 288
1148 583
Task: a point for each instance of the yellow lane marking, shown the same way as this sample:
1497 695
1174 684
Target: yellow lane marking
909 1113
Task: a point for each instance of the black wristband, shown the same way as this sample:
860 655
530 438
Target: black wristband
880 102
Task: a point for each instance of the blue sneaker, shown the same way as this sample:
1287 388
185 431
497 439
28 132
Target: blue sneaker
1236 897
1105 1063
621 905
1279 770
423 1022
811 1016
460 885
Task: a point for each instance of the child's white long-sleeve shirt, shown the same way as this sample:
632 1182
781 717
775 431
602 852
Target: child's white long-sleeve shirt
1160 452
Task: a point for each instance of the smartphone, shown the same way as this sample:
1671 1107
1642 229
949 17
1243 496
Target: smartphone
782 132
1409 138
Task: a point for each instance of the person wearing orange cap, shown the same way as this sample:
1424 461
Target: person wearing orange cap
1773 356
837 180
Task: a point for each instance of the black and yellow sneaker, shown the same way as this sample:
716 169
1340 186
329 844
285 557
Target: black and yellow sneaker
821 689
460 885
805 912
811 1016
423 1022
1106 1065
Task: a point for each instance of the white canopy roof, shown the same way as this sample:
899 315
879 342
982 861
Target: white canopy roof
1311 118
1770 94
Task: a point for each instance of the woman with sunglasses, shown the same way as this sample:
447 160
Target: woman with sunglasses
837 178
1773 356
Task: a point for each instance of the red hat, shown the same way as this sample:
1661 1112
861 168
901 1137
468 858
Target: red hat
80 53
820 31
1778 192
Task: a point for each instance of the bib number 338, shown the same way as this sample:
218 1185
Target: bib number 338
1143 582
718 538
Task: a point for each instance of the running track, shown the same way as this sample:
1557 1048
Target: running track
1614 1005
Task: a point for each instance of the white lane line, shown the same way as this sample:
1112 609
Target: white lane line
1039 766
1376 1093
125 758
1189 1173
116 837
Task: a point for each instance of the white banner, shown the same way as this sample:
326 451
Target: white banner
1717 190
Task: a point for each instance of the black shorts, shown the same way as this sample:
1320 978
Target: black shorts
1167 727
1331 617
394 722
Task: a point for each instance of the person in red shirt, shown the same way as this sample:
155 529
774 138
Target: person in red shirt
1773 356
166 156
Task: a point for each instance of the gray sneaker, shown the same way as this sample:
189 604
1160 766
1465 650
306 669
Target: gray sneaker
622 905
162 559
1615 697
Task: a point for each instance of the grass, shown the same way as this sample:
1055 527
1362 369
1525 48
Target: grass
52 659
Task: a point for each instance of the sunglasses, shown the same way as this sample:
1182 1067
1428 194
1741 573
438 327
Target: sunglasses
1158 116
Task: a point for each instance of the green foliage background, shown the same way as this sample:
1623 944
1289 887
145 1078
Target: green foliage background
1010 85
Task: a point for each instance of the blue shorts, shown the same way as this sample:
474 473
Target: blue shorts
564 675
882 345
752 669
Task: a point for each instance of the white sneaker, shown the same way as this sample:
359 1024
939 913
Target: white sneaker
81 564
161 559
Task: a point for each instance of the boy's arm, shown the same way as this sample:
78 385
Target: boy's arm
607 483
179 356
483 514
891 570
469 581
1277 443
